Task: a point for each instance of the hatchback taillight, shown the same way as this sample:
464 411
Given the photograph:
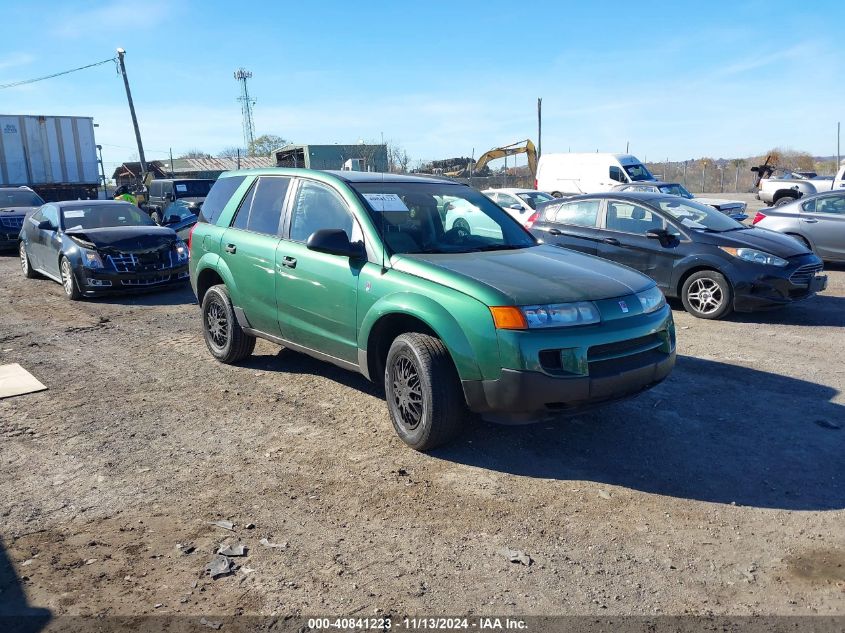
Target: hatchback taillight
191 235
532 219
758 217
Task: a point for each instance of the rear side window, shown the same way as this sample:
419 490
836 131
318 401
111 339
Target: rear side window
217 198
261 209
616 174
579 213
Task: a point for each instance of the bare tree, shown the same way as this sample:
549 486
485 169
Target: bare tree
195 153
397 158
231 152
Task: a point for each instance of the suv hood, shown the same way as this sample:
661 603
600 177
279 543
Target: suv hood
762 239
126 239
534 275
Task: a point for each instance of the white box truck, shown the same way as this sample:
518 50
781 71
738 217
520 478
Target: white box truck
54 155
571 173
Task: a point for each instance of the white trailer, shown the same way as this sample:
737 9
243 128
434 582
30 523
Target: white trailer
55 155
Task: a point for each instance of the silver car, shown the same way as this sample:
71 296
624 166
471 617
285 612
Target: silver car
817 220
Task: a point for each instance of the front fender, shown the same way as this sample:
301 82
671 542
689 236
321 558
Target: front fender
697 261
445 325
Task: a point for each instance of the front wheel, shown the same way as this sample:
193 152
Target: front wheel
26 266
69 280
707 295
223 335
424 395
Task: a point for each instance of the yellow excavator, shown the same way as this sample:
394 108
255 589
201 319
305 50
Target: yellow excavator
520 147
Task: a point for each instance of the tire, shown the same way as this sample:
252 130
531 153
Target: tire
803 240
707 295
155 215
223 336
424 396
69 282
785 200
26 267
557 194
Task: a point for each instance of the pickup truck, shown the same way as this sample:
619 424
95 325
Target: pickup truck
787 186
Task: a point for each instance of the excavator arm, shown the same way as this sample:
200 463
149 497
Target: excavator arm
520 147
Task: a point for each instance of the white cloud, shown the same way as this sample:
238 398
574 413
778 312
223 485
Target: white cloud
13 60
115 16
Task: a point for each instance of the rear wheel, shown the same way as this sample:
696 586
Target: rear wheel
785 200
69 280
223 335
707 295
26 267
424 395
557 194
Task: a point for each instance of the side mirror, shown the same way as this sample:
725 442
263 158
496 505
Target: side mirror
46 225
658 234
172 219
334 242
516 207
168 196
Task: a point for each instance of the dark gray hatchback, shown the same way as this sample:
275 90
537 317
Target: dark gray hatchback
711 262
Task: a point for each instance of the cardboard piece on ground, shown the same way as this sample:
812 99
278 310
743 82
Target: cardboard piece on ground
16 381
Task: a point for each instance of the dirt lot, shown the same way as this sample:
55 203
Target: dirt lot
719 492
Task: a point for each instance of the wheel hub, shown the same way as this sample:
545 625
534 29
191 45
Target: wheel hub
407 392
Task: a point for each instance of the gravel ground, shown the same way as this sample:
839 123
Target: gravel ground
719 492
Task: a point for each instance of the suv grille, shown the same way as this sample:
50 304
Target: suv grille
11 223
803 274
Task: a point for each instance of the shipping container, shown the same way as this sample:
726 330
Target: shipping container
55 155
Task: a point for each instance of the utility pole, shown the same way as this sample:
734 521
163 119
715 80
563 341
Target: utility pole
120 55
539 127
103 171
838 155
171 162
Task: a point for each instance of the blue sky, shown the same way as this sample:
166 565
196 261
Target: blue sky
722 79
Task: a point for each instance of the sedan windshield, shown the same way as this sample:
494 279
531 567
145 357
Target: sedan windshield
416 217
694 215
533 198
675 189
98 216
22 198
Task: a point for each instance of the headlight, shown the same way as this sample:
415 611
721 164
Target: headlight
651 299
91 259
182 251
543 316
756 257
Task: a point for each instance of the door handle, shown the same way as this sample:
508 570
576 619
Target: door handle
231 248
810 220
555 232
290 262
611 240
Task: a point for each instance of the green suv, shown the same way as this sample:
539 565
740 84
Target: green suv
360 269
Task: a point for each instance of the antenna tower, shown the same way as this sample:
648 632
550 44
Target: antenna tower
241 74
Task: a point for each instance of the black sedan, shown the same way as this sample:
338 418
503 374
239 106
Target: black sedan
100 246
712 262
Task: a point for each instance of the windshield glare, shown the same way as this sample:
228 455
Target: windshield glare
697 216
533 198
103 215
638 172
675 190
22 198
439 218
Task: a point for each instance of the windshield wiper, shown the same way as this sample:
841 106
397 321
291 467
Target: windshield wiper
498 247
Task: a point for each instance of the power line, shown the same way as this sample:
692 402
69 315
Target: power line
64 72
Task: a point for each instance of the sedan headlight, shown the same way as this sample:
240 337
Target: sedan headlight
182 251
756 257
545 316
91 259
651 299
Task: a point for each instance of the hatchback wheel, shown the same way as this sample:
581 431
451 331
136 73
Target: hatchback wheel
423 392
26 267
68 280
224 337
707 295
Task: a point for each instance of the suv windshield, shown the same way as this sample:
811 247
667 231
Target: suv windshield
638 172
698 216
192 188
675 189
19 198
417 217
98 216
533 198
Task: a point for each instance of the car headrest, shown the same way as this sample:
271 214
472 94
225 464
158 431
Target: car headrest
638 214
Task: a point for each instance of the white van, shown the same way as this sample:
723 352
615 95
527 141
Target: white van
569 174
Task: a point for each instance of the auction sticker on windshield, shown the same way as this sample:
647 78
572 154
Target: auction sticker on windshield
385 202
